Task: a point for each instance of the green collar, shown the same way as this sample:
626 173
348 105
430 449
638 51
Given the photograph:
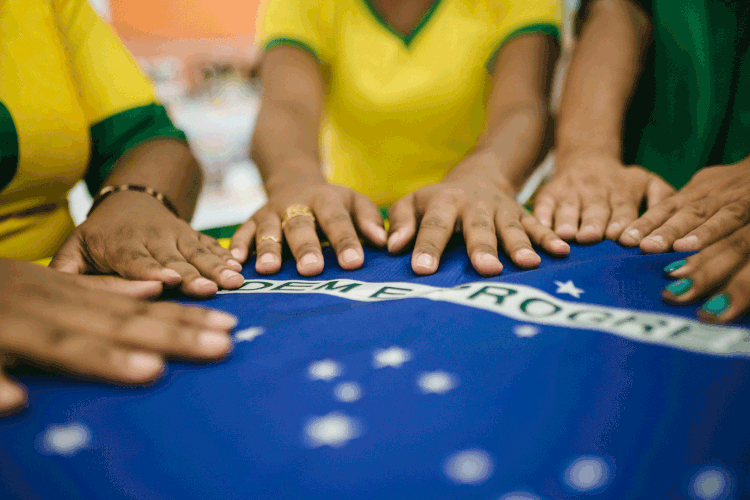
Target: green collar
409 37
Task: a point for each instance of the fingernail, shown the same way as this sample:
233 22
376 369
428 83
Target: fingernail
526 254
233 263
228 274
144 363
203 282
691 242
218 319
394 239
566 228
425 260
236 253
486 258
588 229
560 246
308 259
380 233
658 240
635 235
674 266
213 341
170 273
679 287
349 255
615 226
266 259
717 304
10 396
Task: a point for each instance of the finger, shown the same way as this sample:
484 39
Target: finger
731 302
336 222
193 284
567 216
206 264
514 239
76 353
544 208
683 221
727 220
69 258
543 236
133 261
369 221
624 213
139 331
657 191
481 241
239 247
709 270
219 251
434 232
268 244
12 395
402 218
115 284
300 235
595 214
653 218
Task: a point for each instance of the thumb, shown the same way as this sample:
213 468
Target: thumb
402 221
657 190
69 258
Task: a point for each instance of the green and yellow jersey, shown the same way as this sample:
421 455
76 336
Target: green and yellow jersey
72 102
401 111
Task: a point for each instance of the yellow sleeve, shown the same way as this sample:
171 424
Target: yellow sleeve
117 99
521 17
306 24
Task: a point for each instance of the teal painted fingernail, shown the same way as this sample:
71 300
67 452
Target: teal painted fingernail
680 286
717 304
674 266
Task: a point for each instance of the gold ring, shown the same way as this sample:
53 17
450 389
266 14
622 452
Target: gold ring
268 237
294 211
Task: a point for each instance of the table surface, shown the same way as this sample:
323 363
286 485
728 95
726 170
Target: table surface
572 379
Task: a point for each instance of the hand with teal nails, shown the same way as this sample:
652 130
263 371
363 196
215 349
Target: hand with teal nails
719 276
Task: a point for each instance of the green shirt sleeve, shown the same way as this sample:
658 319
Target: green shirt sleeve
114 136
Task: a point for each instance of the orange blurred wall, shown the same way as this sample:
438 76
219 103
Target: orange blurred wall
184 19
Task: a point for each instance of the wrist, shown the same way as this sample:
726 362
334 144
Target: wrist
487 168
121 201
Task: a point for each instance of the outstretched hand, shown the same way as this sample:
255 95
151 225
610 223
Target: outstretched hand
486 214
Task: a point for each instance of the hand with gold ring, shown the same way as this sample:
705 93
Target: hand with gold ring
294 214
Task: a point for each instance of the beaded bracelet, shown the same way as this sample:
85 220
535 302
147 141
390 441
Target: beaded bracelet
108 190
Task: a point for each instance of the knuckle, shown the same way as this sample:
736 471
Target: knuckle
308 247
485 248
347 241
337 219
298 223
434 222
428 246
698 210
739 210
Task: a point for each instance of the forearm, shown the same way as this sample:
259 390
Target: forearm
602 76
285 146
165 165
520 136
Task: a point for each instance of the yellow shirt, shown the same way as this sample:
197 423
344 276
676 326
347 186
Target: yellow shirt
72 102
401 111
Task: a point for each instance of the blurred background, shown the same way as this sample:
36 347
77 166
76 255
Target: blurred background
200 56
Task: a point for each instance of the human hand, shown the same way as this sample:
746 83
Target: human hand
479 209
712 205
134 235
721 269
341 214
77 325
594 196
